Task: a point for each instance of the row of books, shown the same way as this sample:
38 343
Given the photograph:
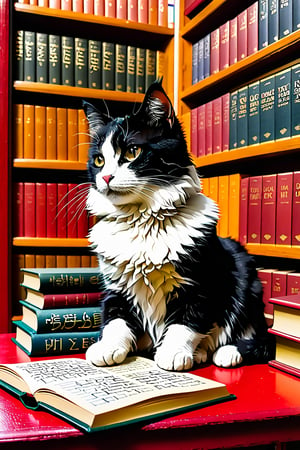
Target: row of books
270 209
80 62
258 26
61 310
51 210
153 12
47 132
266 110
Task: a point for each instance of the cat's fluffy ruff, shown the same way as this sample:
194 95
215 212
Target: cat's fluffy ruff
165 270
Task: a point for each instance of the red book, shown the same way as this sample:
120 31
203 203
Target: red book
51 209
296 210
284 367
49 301
293 284
72 213
279 283
40 211
284 208
54 4
252 29
265 276
82 215
29 209
217 125
18 220
224 45
225 121
268 210
110 8
208 128
242 35
99 7
132 10
201 130
143 11
121 9
254 209
77 6
233 41
194 131
162 14
88 6
62 200
244 197
66 5
215 51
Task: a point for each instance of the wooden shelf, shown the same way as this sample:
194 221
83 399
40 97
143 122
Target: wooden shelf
50 242
279 251
49 164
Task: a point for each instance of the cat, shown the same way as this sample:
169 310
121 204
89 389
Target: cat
172 287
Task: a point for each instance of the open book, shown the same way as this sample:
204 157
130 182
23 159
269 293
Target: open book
92 397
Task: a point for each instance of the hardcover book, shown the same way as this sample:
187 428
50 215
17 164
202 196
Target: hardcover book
40 132
284 208
61 210
286 314
266 279
263 27
194 131
120 67
268 212
293 284
233 41
254 113
242 117
215 51
81 62
201 140
51 209
283 104
131 69
254 209
195 59
285 17
141 390
234 205
295 100
273 28
42 57
140 70
224 45
29 55
223 203
29 124
296 210
40 210
225 121
108 65
29 209
233 142
18 141
209 127
19 59
54 59
267 109
51 135
62 144
150 75
296 15
217 125
287 350
206 53
94 64
18 197
279 283
53 301
252 28
72 130
121 9
200 73
242 35
67 52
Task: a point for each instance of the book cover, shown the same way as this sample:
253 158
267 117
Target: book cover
209 127
62 201
50 344
67 52
217 125
40 211
19 55
279 283
29 209
54 59
285 18
293 284
29 55
108 65
29 124
267 109
286 314
94 64
263 27
131 68
283 107
81 62
252 28
296 209
254 113
223 203
150 71
18 135
214 51
200 73
295 100
51 133
201 138
234 205
194 131
233 138
42 57
62 143
242 117
72 131
51 209
287 349
53 301
284 208
40 132
132 10
268 212
140 70
225 121
254 209
265 276
120 67
224 45
242 25
233 41
273 16
206 53
296 15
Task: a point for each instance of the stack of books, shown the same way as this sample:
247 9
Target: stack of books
61 311
286 328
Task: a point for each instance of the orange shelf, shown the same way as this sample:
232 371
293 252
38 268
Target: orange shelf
279 251
50 242
49 164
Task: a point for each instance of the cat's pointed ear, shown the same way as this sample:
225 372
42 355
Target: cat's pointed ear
157 106
93 115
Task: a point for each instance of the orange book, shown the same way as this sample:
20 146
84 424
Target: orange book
234 206
99 7
152 12
83 137
73 261
66 5
223 201
77 6
61 261
18 131
40 261
160 64
162 16
40 132
88 6
61 149
51 140
29 131
72 130
50 261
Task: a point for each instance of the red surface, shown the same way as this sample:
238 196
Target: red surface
267 409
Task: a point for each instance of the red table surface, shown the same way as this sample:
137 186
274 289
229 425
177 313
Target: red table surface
263 394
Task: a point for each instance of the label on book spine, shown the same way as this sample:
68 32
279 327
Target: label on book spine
54 59
283 104
233 120
140 70
29 55
81 62
242 119
268 214
131 69
94 64
67 44
254 209
108 65
121 55
284 208
42 58
267 109
296 210
254 113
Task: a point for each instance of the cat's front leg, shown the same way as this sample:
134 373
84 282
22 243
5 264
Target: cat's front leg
177 349
116 342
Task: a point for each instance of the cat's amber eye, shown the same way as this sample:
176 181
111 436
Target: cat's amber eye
99 161
132 152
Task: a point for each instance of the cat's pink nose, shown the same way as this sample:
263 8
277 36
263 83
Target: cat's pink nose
107 178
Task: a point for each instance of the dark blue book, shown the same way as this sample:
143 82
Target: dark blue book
263 24
242 117
253 113
195 58
296 100
283 104
233 120
201 60
273 25
206 53
296 15
285 17
267 109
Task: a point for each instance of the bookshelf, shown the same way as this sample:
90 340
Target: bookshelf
22 16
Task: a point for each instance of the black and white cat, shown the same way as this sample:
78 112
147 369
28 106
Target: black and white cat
172 285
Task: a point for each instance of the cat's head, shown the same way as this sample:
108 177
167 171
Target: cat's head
140 158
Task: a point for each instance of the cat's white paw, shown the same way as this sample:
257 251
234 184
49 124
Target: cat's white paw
227 356
116 343
167 360
200 355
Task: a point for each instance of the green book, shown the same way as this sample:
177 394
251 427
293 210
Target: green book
283 106
19 60
62 280
67 50
62 320
81 62
253 113
50 344
94 64
131 69
29 55
121 57
233 120
140 70
54 59
150 68
296 100
108 66
273 24
267 109
242 117
285 18
42 57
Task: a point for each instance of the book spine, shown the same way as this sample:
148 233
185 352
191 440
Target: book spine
279 283
66 5
81 62
18 196
42 57
265 277
284 208
53 301
162 15
132 10
217 125
18 143
62 143
120 67
296 210
233 143
242 33
252 29
131 69
74 281
273 29
283 107
83 130
209 128
29 123
19 59
54 59
61 211
99 8
72 130
77 6
263 24
88 6
51 209
244 196
233 41
267 109
29 209
194 131
67 50
215 51
295 100
29 55
224 45
254 209
293 284
242 117
142 11
285 18
195 58
94 64
72 211
51 138
268 214
40 132
150 68
121 9
201 139
296 15
108 66
200 74
225 121
207 56
140 70
223 203
234 205
254 114
152 12
40 210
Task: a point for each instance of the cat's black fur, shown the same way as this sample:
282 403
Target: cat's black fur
214 290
